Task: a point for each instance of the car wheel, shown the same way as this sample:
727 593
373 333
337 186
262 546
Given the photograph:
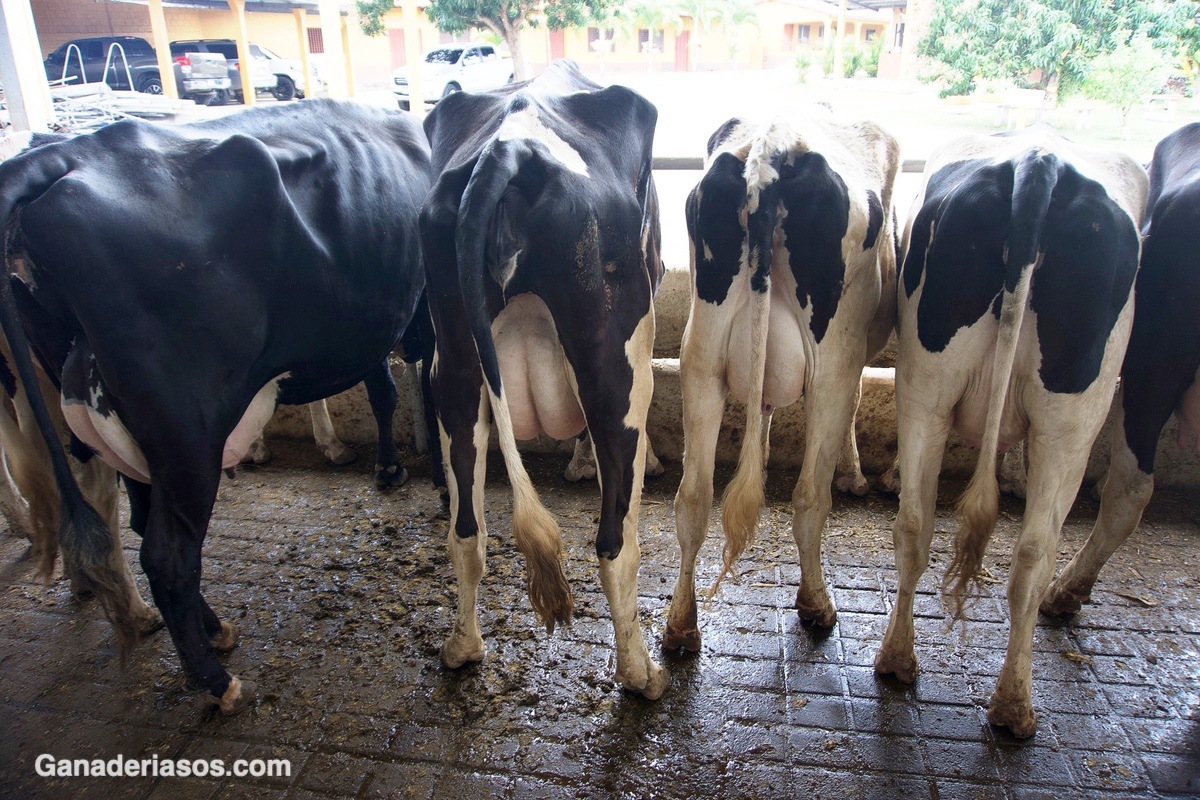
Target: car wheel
285 88
450 89
299 93
510 78
151 85
404 105
219 98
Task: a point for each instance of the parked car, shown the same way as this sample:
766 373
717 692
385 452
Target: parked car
282 77
455 68
98 59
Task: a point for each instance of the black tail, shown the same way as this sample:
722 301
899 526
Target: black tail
83 535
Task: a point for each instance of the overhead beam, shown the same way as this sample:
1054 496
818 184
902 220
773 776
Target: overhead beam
245 64
21 70
162 49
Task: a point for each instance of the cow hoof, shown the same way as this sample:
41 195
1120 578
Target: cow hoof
652 685
579 472
820 614
852 484
227 639
150 622
1018 716
902 665
1062 602
681 639
655 469
339 454
257 454
460 650
889 482
390 477
237 698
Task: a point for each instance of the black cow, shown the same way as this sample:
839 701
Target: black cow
1161 374
182 282
1014 310
541 246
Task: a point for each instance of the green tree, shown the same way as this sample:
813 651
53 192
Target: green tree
1055 39
370 15
1126 76
507 18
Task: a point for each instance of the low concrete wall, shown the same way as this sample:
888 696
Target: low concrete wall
876 424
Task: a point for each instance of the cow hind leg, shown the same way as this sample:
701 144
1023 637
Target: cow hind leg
170 556
1012 471
922 442
1056 469
382 394
703 409
1124 496
326 437
463 433
829 410
848 477
620 444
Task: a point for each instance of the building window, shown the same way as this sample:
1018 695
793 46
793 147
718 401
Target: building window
871 34
316 41
820 33
899 43
594 36
650 41
805 31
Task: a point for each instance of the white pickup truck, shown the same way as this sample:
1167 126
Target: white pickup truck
455 68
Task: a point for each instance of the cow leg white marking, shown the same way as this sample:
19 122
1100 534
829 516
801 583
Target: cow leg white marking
848 476
828 411
1126 492
1012 471
465 643
922 434
704 393
1056 466
326 437
583 460
635 669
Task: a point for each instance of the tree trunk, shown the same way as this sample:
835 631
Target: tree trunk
512 37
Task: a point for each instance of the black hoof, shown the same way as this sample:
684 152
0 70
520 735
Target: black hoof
391 477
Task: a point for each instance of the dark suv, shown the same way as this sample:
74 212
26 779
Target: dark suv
99 57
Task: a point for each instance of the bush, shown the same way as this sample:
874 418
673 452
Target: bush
1126 76
827 61
803 64
871 60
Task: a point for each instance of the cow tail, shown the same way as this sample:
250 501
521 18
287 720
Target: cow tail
84 537
745 495
534 528
1034 179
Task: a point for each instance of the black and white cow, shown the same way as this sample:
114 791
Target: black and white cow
541 246
1015 304
181 282
793 271
1161 373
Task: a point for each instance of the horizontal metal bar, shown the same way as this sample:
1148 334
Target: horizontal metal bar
696 163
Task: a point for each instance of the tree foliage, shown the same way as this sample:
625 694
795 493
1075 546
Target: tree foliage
508 17
1056 40
1124 77
370 15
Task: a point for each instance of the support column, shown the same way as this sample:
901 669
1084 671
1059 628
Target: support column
335 53
245 64
414 57
298 14
839 44
162 48
21 70
350 82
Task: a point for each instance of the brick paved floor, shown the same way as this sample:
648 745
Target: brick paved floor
343 596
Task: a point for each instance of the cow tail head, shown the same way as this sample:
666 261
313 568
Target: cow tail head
534 529
1034 179
91 559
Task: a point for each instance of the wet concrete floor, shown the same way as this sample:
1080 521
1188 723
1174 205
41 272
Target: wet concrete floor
344 595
